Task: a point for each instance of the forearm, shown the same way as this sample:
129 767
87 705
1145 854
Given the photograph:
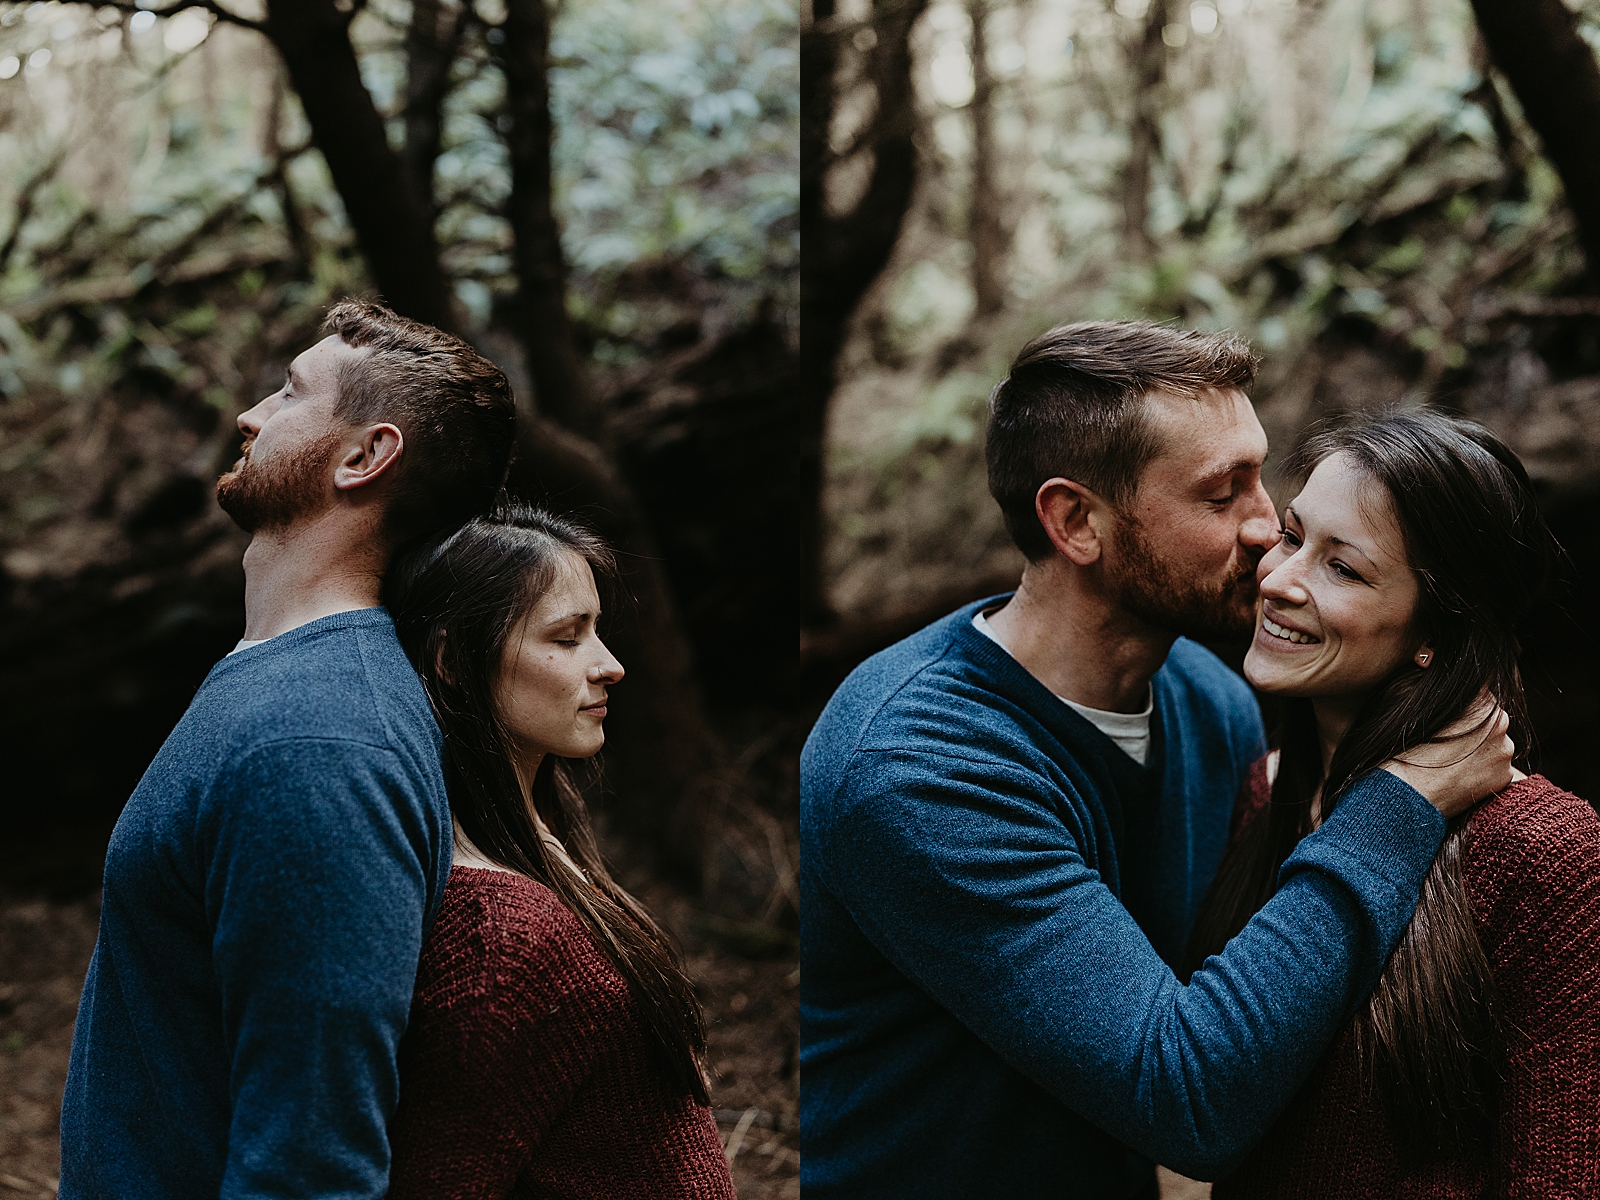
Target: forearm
1025 946
1218 1060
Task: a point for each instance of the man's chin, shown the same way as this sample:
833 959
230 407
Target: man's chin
233 498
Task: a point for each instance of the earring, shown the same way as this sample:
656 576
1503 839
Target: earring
1422 658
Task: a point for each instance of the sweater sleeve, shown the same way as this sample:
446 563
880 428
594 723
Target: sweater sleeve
1533 870
972 882
316 882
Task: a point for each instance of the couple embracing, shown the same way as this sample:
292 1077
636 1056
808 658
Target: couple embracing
1063 912
368 824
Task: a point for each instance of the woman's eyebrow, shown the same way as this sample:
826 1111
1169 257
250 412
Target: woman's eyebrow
1352 546
575 616
1330 539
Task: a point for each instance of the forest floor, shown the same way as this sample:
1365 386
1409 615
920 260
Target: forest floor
752 1009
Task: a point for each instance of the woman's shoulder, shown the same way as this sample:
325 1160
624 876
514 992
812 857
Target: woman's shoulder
1532 839
1533 816
502 935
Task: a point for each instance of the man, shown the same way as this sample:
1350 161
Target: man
1008 822
269 883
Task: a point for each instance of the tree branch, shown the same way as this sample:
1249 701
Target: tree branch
27 197
394 231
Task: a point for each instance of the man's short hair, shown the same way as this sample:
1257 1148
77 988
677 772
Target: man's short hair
1073 406
452 405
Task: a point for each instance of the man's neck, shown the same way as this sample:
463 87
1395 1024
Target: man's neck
1077 642
310 570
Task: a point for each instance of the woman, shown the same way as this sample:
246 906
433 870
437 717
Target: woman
1473 1068
555 1044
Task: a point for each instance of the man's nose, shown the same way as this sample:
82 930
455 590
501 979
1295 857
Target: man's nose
251 420
1259 532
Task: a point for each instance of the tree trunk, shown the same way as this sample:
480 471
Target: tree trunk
395 233
1536 45
431 43
557 369
841 254
985 225
1149 62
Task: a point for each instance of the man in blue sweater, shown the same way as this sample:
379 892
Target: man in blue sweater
1009 820
269 883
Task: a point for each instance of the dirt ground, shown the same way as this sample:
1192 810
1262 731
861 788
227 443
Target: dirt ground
752 1007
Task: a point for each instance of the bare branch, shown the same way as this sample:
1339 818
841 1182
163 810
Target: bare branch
27 196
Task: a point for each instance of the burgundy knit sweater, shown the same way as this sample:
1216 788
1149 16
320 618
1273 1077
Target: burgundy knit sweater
1532 873
525 1069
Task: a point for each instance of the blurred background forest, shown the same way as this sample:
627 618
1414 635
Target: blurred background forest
602 197
1395 200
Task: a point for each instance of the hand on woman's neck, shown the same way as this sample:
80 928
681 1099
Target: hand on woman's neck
1334 718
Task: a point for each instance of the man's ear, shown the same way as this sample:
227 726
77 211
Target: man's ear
1073 518
376 450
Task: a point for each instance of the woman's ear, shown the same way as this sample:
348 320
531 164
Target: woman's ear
1423 657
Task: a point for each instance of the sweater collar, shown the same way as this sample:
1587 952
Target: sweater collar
997 671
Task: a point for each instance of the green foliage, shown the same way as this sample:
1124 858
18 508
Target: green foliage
1358 184
676 163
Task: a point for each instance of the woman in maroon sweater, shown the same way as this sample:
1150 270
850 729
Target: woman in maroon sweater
555 1045
1473 1068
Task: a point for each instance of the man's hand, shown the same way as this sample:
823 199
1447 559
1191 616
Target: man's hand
1471 760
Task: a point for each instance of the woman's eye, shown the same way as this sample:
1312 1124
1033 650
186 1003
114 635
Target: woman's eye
1346 573
1290 536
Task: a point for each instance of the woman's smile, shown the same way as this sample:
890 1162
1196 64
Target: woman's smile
1281 635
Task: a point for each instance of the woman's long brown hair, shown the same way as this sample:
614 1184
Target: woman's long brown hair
455 603
1429 1037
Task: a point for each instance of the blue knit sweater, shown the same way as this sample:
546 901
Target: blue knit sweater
266 892
992 898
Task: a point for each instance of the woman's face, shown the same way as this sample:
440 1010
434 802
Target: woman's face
1337 595
552 688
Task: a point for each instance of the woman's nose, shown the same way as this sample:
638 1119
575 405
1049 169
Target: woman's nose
608 669
1283 582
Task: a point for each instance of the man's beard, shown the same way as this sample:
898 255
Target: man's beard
275 495
1145 585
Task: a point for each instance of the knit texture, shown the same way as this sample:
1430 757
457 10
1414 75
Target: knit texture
1532 874
267 889
992 898
525 1070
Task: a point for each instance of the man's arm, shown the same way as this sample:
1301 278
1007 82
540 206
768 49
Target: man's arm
316 889
970 882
